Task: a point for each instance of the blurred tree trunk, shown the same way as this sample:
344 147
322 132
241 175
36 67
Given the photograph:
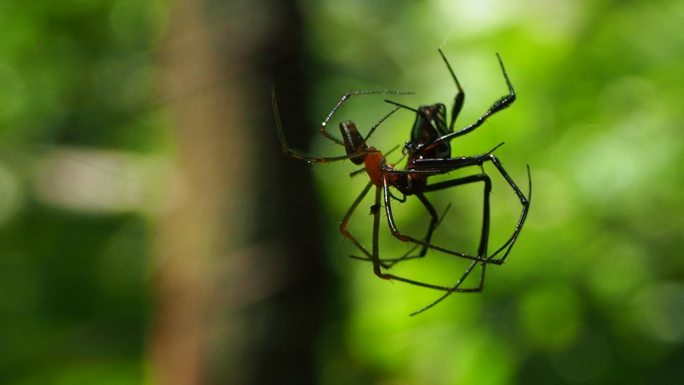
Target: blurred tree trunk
237 286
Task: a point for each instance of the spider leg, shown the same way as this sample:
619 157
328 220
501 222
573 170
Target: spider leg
457 287
525 202
344 226
294 153
460 95
497 106
378 265
484 237
386 262
397 234
344 229
431 165
434 222
484 234
346 97
288 151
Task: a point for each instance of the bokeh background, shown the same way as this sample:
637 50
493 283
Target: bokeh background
151 232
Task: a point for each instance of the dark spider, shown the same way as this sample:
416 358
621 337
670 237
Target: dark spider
428 154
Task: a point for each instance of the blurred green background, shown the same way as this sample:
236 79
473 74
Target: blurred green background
151 232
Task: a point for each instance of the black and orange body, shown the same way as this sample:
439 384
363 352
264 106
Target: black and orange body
428 153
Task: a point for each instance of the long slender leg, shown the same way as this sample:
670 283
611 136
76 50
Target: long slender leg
484 234
436 166
497 106
283 143
287 150
372 129
456 288
343 99
459 99
377 264
397 234
344 226
344 229
432 165
434 221
408 255
460 95
524 200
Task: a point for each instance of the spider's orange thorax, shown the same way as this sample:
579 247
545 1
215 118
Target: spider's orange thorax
373 164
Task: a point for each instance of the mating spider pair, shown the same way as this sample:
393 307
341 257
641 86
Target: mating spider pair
428 154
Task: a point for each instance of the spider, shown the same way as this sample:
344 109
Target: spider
428 154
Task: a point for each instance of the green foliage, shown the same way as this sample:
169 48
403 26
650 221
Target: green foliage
73 287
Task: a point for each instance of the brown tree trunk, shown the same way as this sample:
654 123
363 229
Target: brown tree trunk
237 286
